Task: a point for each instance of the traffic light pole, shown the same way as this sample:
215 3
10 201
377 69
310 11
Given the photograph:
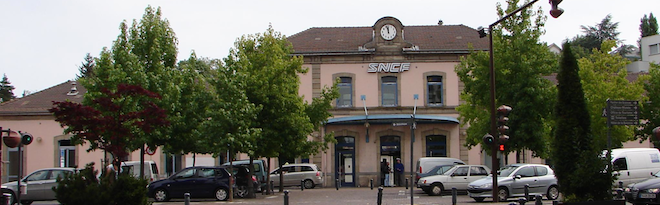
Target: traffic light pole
493 118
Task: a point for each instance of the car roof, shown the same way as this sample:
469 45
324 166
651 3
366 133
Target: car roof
58 168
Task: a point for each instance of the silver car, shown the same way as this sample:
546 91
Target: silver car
295 174
459 176
39 185
512 179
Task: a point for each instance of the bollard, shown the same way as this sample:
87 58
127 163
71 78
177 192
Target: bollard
272 187
454 195
406 183
302 185
380 196
620 184
186 198
527 192
371 184
539 200
337 184
286 197
522 201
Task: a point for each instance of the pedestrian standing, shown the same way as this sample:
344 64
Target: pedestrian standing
398 172
384 171
388 175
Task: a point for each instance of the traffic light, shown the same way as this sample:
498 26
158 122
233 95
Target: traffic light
26 138
488 139
555 11
482 32
502 118
501 147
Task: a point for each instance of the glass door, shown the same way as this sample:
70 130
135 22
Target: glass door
345 161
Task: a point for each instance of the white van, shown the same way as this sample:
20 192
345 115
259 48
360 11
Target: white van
425 164
133 167
632 165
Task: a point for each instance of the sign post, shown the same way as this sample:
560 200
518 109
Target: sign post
619 112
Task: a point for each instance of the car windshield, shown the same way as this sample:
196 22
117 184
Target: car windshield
443 169
506 170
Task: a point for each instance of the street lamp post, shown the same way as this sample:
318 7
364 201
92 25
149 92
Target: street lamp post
493 117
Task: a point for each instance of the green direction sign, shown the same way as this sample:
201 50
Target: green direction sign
622 112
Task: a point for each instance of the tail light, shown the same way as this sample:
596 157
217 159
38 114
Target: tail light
318 174
254 178
420 169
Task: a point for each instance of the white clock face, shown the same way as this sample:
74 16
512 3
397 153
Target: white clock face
388 32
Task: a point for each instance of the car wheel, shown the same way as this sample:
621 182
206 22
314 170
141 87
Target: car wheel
221 194
479 199
242 191
553 193
161 195
26 202
309 184
12 197
502 194
436 190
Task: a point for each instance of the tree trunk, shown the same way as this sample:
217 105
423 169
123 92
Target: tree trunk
250 185
268 189
279 161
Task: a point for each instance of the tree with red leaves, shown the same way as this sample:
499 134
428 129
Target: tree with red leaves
113 120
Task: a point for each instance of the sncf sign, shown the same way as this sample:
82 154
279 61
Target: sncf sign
388 67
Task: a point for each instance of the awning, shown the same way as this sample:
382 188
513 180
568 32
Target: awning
392 118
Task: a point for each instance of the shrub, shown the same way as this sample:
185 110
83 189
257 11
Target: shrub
83 187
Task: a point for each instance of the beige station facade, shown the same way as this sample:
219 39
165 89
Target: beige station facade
388 71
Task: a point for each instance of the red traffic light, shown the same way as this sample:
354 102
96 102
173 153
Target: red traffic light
555 11
501 147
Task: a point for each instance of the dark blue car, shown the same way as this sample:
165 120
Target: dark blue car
200 182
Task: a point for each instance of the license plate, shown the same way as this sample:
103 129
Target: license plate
647 196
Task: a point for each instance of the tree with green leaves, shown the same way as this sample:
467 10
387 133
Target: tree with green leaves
520 64
604 76
87 67
6 89
579 167
650 109
594 36
649 25
269 73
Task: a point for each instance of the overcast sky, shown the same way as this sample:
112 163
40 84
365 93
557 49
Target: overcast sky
43 42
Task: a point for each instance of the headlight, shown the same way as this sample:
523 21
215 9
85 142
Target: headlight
654 190
486 186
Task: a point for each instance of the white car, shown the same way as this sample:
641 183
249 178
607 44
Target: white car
39 185
457 177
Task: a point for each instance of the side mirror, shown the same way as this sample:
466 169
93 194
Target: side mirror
517 177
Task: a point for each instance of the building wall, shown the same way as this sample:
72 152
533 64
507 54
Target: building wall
646 44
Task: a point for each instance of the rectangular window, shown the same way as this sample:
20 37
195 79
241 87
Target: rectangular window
434 91
345 92
654 49
67 154
389 91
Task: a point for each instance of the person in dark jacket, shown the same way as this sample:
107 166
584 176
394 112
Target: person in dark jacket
384 169
398 172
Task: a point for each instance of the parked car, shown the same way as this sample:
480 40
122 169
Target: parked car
511 181
133 168
294 174
259 169
241 180
39 185
200 182
644 192
437 170
458 176
426 164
